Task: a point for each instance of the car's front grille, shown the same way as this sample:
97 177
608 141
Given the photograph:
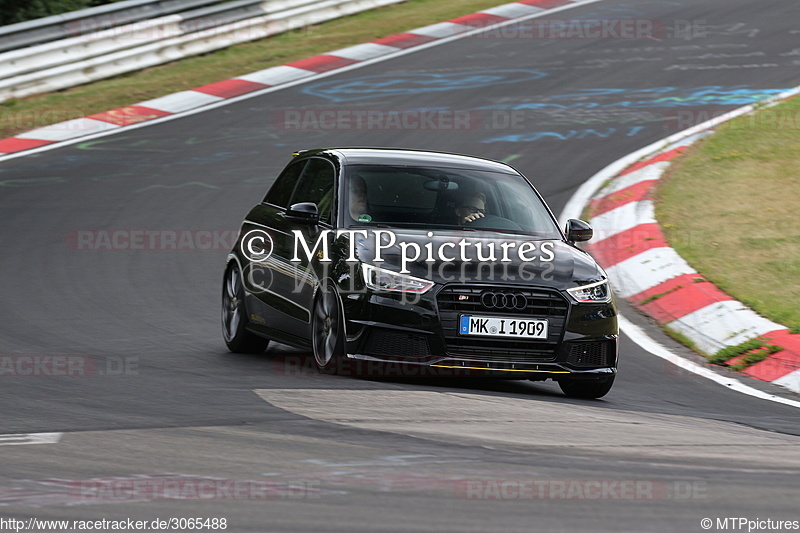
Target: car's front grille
514 302
590 354
382 341
539 303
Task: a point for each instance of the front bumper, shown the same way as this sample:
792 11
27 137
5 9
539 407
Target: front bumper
420 338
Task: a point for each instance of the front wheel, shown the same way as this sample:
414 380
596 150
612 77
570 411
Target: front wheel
234 316
328 330
575 388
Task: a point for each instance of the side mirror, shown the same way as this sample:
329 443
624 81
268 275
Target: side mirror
303 213
578 230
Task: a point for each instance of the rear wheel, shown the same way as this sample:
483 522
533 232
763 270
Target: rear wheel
575 388
234 316
328 330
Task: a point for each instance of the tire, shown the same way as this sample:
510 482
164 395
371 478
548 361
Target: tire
327 331
234 316
586 389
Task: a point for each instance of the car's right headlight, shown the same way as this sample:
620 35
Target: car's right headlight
380 279
597 292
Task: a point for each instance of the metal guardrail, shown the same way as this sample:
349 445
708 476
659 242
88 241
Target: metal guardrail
31 32
107 41
79 60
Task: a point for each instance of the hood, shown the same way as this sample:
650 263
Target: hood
456 256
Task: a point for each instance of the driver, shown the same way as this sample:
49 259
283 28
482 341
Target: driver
358 198
471 208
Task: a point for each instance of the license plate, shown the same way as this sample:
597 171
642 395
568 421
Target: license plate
491 326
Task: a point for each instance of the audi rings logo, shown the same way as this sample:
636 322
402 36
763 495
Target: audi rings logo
256 245
503 300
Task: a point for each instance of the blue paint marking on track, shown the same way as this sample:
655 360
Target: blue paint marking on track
662 97
415 83
566 135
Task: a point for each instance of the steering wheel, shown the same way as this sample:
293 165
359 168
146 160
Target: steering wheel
493 222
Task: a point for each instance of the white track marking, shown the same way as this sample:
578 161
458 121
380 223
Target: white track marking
18 439
646 270
181 101
362 52
722 324
648 173
623 218
68 130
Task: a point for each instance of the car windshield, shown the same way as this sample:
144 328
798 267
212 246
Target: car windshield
444 198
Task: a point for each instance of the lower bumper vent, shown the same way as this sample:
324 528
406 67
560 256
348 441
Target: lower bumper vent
590 354
385 342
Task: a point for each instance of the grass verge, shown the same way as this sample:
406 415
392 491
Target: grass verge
731 207
683 339
744 354
25 114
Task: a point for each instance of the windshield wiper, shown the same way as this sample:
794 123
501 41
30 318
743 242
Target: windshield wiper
370 226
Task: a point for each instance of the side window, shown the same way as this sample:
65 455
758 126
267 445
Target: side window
281 190
316 185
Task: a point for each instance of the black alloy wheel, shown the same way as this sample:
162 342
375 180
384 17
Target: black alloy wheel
328 330
234 316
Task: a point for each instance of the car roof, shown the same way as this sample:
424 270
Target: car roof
403 157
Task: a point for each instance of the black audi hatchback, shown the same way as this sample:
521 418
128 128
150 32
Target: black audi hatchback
440 263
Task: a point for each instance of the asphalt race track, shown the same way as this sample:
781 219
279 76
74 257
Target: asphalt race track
158 397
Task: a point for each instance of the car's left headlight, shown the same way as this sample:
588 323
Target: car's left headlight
381 279
597 292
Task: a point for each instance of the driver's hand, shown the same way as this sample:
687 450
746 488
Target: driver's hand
472 216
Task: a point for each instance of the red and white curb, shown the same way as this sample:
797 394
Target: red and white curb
654 278
215 93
